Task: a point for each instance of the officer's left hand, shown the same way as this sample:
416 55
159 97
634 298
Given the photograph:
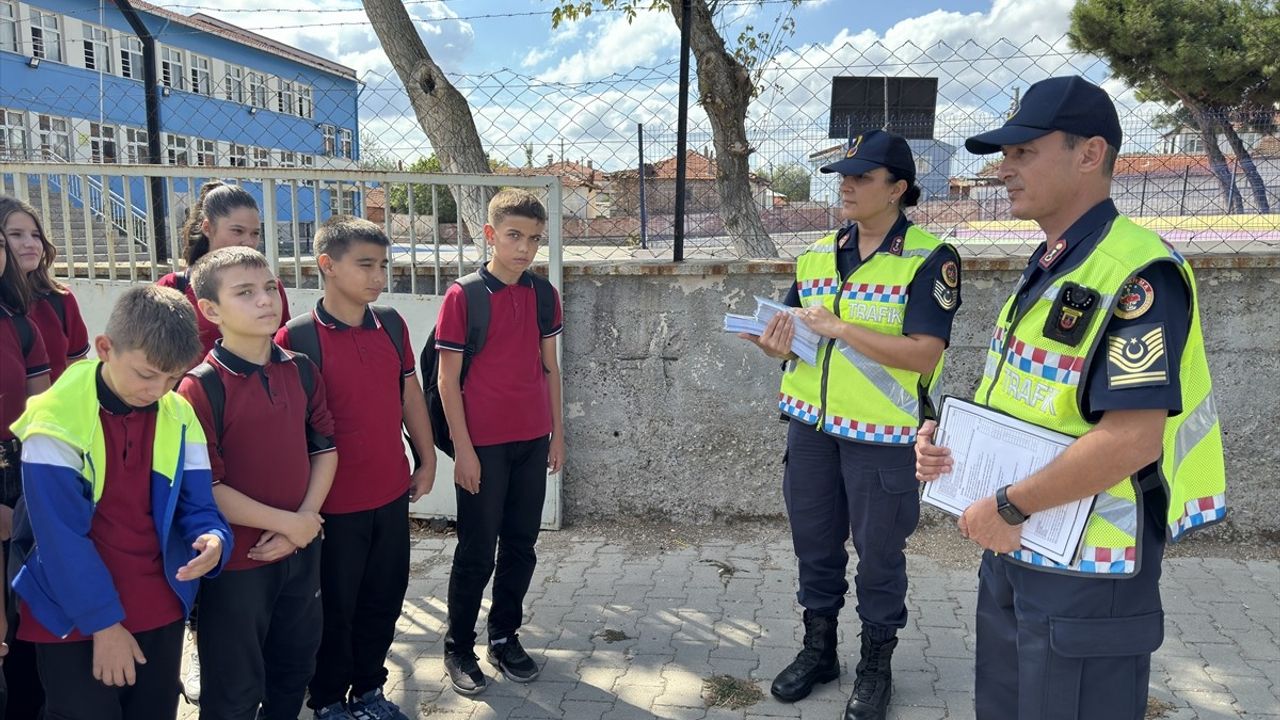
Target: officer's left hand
822 321
982 524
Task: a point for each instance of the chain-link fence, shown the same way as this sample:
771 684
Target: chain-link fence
612 142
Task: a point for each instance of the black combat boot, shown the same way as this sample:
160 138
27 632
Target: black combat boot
816 663
874 684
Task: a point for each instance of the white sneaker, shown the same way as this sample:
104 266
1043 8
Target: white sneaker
191 683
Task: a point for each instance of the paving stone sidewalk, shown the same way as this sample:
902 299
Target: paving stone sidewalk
634 633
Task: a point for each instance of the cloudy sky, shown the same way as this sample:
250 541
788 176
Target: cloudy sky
586 86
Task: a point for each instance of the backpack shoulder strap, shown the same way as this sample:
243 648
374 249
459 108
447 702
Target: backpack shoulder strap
306 373
477 296
181 281
545 293
207 376
59 304
393 324
304 337
26 333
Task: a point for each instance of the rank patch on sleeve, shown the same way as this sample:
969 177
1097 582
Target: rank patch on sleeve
946 297
1136 357
1136 298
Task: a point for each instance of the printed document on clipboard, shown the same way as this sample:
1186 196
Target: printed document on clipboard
991 450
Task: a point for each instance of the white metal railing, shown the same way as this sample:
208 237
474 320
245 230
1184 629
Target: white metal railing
289 198
128 219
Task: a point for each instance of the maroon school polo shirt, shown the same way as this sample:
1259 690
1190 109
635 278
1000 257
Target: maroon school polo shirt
505 393
13 384
65 342
209 332
362 385
270 430
123 530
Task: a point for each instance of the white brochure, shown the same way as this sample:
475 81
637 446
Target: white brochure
991 450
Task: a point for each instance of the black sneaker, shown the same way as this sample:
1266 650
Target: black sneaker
464 674
513 661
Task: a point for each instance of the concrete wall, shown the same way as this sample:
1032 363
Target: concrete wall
670 418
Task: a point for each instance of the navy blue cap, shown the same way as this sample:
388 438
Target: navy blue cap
1070 104
874 149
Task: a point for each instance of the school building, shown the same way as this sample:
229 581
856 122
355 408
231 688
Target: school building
72 90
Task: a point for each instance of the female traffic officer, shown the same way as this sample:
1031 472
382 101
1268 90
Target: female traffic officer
882 293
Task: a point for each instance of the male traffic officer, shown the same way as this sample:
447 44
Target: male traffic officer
1100 339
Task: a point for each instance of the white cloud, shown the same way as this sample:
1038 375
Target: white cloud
536 55
614 45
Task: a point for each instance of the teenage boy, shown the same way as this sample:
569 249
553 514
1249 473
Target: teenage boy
366 360
116 484
507 432
271 449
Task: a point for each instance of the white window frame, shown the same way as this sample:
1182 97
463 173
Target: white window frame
286 99
54 134
307 161
8 25
345 143
104 146
201 74
97 48
260 157
173 69
135 146
288 159
206 152
233 84
257 83
15 138
177 151
238 155
329 135
131 58
306 102
46 35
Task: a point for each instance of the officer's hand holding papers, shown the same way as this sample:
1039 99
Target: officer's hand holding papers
989 450
775 329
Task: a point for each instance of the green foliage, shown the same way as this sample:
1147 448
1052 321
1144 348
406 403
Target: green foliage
398 197
790 180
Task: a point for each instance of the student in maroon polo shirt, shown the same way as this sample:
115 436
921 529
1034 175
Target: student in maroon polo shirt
223 216
372 392
21 346
54 309
273 461
117 489
507 433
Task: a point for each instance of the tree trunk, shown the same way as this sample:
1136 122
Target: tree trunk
1217 162
725 90
1250 170
442 111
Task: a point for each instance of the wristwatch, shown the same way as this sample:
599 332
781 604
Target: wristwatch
1008 510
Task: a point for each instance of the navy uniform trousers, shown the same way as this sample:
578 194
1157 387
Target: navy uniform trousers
1053 646
834 488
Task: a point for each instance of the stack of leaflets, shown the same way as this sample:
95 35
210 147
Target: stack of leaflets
805 343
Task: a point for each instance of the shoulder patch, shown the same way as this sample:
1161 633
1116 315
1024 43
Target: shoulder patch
1136 357
1136 298
945 297
951 273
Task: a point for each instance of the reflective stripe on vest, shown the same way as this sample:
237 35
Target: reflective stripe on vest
848 394
1041 380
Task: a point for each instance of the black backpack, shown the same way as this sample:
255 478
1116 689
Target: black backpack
26 333
477 296
207 375
305 338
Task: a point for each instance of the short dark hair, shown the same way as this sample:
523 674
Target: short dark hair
206 276
336 236
910 196
160 322
517 202
1108 160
